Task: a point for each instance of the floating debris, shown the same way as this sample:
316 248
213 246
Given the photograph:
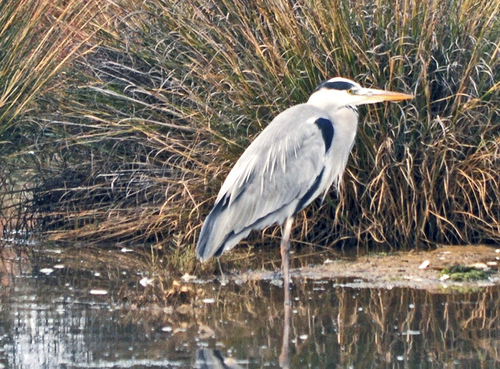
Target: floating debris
205 332
409 332
167 329
125 250
98 292
482 266
208 301
146 281
277 282
424 264
59 266
188 277
46 271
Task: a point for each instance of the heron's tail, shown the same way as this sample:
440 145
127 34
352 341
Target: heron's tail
218 234
206 246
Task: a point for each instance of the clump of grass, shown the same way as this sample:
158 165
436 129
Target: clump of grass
37 40
462 273
151 120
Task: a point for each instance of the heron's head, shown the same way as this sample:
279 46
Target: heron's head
342 92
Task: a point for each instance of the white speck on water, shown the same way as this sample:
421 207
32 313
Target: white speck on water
98 292
97 274
146 281
46 271
59 266
208 301
188 277
124 249
167 329
303 336
360 308
411 306
424 264
409 332
400 358
277 282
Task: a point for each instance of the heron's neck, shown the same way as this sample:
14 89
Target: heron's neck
345 125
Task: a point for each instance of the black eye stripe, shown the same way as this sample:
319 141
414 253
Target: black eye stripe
336 85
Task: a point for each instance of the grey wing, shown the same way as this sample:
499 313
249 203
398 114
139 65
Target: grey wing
278 175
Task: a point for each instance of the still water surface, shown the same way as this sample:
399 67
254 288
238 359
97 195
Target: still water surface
53 321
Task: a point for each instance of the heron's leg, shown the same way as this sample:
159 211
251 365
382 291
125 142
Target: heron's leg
285 256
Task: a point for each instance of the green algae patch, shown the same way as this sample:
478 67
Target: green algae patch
462 273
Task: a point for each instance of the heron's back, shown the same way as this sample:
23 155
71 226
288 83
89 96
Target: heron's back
285 168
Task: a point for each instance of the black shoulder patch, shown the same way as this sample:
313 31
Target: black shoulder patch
335 85
305 199
326 128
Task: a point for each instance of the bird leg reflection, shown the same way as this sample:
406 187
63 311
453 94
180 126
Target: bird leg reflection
284 359
285 346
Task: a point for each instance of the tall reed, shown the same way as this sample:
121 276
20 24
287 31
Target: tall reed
38 39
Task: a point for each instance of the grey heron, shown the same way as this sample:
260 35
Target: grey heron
296 158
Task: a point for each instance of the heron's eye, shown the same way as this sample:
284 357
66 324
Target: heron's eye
350 91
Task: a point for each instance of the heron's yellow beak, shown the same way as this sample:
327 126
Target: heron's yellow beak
372 95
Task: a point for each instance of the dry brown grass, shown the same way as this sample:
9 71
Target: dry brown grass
148 124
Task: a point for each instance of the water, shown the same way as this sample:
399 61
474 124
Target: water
53 321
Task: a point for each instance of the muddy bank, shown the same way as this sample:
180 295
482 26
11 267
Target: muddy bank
402 269
132 275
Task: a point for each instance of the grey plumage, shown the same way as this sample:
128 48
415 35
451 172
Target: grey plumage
297 157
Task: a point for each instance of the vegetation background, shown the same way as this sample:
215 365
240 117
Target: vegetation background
120 119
